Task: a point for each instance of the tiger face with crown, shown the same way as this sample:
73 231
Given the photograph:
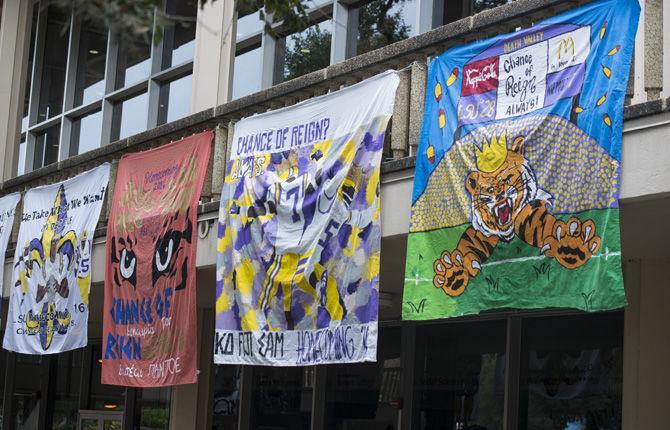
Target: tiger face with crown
506 203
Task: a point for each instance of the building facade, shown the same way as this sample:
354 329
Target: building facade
76 95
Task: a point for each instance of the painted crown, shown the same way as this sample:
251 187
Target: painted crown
491 155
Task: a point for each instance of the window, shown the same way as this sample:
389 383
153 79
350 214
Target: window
382 22
179 33
175 99
226 397
282 397
92 56
116 86
308 50
572 373
130 116
247 73
53 58
153 407
27 391
66 402
366 395
103 397
86 132
459 376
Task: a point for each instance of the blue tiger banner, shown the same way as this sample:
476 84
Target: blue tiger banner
299 231
515 201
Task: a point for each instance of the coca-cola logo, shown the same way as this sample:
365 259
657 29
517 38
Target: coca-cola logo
474 76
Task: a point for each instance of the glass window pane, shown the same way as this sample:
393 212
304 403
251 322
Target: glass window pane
90 83
249 24
89 424
574 372
366 395
459 380
179 33
130 117
282 398
247 73
153 406
46 147
226 397
133 63
308 50
104 397
175 100
481 5
29 71
382 22
54 63
21 168
66 400
86 132
27 391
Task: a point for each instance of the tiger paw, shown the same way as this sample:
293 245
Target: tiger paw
453 272
572 243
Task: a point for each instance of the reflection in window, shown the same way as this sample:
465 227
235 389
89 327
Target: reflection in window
46 147
573 377
53 66
66 400
366 395
249 24
247 73
175 100
459 380
86 133
103 397
308 50
29 71
154 408
282 397
134 62
27 391
382 22
226 397
179 34
481 5
90 84
130 117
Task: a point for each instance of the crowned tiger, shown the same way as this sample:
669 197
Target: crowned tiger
507 202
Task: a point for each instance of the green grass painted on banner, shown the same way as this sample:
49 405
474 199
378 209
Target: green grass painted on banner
519 278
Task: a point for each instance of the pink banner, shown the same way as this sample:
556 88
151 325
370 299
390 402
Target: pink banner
149 325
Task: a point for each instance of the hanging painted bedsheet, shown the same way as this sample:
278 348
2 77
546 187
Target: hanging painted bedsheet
7 209
299 231
515 201
51 277
149 324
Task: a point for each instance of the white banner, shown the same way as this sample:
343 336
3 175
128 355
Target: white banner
51 277
7 208
297 279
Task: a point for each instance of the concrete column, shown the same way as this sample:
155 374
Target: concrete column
214 55
400 122
666 48
417 97
653 48
639 96
14 44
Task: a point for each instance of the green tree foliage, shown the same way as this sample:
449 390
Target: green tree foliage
378 26
310 51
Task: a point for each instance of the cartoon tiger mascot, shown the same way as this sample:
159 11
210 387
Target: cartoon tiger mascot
506 203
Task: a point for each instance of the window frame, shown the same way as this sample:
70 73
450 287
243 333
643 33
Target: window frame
152 84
